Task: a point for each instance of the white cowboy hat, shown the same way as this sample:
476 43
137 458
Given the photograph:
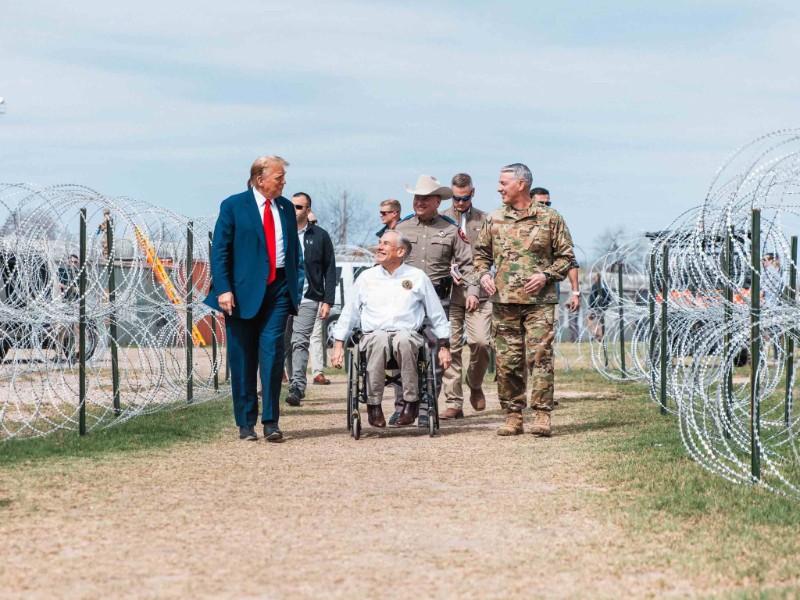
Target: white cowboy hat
430 186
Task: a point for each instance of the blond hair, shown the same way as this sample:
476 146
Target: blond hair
391 204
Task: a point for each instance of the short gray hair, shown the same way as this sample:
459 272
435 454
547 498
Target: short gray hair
402 241
520 172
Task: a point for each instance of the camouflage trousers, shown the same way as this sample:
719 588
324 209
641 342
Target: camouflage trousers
523 338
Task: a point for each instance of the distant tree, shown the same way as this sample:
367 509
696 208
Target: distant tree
345 216
618 243
26 223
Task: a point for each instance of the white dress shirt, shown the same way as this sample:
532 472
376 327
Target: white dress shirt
280 259
396 302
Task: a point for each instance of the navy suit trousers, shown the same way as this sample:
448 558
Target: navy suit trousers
257 344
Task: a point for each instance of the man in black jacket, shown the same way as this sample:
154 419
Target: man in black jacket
318 295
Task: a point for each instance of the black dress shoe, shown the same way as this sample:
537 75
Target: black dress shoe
272 432
409 415
294 398
248 433
375 415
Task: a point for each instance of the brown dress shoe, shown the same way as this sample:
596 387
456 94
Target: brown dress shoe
452 413
375 415
477 398
320 379
409 414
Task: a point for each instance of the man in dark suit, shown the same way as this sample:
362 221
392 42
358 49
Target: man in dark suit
255 269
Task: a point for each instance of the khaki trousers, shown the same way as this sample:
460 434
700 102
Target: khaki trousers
478 326
380 346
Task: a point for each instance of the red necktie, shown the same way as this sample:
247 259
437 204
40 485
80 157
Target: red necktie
269 235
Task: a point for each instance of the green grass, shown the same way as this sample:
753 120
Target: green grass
740 532
196 423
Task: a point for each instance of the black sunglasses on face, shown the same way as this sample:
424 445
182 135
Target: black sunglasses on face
299 207
462 198
387 212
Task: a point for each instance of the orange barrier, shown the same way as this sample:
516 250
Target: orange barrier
163 278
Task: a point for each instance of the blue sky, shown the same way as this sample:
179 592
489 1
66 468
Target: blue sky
624 110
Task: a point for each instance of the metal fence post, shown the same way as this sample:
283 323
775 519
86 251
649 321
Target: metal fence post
727 268
189 320
755 343
82 329
791 295
621 323
651 302
664 328
112 324
213 327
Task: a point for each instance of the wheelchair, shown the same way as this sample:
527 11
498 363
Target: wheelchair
356 367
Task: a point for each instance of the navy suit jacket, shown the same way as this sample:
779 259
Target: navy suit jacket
239 258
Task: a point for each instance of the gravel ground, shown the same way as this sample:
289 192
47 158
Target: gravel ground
397 514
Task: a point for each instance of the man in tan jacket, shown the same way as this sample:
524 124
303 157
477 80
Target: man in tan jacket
476 317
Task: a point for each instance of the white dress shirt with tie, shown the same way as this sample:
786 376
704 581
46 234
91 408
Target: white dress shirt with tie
280 260
396 302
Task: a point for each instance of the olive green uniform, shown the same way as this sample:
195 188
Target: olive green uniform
519 245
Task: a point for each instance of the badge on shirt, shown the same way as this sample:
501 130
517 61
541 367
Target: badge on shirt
407 285
442 233
462 235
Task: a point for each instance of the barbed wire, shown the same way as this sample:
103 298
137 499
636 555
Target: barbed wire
707 338
39 318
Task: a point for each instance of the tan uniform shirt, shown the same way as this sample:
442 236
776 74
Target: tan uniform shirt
435 245
474 222
535 241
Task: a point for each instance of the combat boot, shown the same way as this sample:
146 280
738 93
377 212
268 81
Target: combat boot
513 424
541 423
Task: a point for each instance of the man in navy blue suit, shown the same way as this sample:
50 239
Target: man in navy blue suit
255 272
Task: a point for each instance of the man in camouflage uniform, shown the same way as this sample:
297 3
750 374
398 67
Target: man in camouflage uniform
477 320
435 246
530 248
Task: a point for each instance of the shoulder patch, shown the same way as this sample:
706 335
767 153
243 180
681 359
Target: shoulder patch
448 219
406 218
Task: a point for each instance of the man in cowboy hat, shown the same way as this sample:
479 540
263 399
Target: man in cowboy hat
435 246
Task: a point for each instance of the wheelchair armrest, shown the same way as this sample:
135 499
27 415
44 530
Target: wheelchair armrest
355 337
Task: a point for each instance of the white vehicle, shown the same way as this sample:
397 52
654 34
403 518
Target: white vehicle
346 274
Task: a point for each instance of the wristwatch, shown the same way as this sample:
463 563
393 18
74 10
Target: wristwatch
548 278
444 344
576 293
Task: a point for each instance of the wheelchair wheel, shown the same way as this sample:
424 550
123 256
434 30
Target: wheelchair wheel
356 425
351 389
433 422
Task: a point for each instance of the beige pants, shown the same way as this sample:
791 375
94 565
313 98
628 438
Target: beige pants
479 332
380 346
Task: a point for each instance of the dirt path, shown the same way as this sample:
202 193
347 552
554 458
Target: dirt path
395 515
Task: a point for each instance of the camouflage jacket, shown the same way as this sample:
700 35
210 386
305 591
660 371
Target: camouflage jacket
518 246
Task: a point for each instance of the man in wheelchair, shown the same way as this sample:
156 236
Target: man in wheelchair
391 300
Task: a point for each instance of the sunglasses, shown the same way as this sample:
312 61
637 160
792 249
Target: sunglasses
299 207
387 212
462 198
548 203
